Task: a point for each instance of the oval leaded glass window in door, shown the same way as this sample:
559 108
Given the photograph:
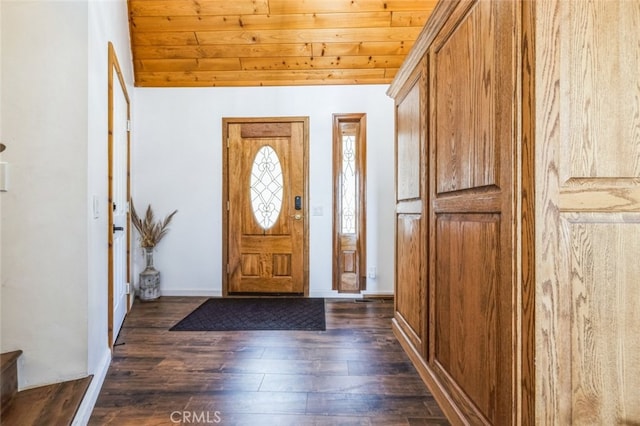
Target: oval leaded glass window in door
266 187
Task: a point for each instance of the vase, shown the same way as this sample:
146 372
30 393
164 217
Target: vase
149 278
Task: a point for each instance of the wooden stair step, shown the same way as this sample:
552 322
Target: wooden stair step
8 379
55 404
8 359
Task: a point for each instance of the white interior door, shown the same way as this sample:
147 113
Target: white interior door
120 208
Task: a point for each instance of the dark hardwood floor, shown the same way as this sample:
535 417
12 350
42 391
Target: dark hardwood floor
354 373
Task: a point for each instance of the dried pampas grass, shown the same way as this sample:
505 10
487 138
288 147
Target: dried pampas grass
151 232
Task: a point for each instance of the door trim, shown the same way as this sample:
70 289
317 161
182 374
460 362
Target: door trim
114 69
225 193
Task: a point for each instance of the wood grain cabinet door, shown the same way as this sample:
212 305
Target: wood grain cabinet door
588 213
411 231
473 156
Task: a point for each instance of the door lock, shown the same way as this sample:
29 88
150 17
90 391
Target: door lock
118 228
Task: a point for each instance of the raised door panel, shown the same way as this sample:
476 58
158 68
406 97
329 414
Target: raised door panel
473 278
600 123
410 293
465 104
588 213
467 324
602 297
411 221
408 145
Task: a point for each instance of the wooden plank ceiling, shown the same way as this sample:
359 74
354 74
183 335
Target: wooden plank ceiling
200 43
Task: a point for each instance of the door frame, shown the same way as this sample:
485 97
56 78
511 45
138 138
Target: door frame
114 69
226 121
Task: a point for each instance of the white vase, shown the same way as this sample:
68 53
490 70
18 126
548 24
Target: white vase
149 278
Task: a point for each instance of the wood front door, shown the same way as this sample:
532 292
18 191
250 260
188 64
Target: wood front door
265 174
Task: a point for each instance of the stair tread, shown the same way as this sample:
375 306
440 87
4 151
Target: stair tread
8 379
8 358
52 404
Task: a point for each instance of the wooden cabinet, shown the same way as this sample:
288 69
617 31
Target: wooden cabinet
518 210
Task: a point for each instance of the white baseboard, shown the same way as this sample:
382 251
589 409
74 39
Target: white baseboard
91 396
334 295
191 292
383 295
326 294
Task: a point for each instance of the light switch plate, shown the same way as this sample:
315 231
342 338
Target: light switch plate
96 207
4 176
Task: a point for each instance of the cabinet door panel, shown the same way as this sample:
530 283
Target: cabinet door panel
588 213
408 145
465 104
410 296
411 221
473 157
467 334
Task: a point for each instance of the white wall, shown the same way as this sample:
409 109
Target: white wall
1 159
44 256
107 23
53 105
178 165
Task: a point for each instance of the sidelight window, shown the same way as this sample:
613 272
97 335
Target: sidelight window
349 220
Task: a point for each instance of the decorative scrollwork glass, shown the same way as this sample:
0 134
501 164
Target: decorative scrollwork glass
348 213
266 187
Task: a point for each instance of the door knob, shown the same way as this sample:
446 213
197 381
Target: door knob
297 216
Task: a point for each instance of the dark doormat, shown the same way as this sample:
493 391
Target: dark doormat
228 314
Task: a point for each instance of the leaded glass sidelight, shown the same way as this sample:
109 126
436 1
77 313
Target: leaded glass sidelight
348 213
266 187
